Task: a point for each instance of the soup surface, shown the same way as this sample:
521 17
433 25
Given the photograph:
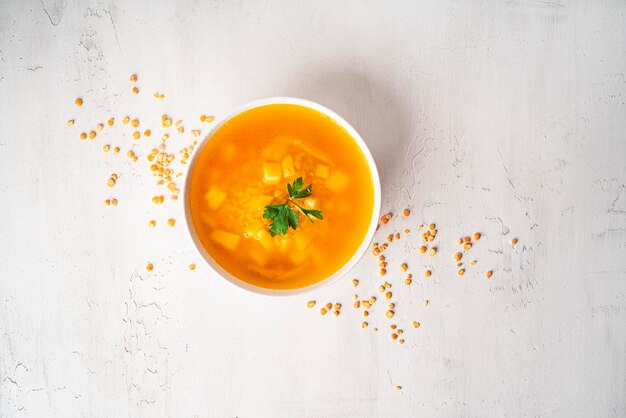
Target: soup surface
247 165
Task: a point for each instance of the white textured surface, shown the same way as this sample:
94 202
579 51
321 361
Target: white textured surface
491 116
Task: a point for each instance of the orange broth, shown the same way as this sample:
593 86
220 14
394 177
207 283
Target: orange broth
247 163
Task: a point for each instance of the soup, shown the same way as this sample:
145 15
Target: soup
248 163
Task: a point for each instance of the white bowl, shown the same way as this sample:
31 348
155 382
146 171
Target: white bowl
366 240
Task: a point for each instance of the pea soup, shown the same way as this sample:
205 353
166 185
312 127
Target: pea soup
247 164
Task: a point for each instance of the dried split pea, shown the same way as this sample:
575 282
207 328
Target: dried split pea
70 122
116 150
134 123
328 306
355 282
336 313
135 90
461 272
366 314
149 267
107 202
92 134
407 281
476 236
404 267
383 272
83 135
513 242
416 324
136 135
389 314
381 289
392 306
401 341
99 127
366 304
125 120
111 121
394 336
398 387
427 273
356 305
488 274
432 251
337 306
171 222
406 212
393 326
133 78
423 249
364 324
192 266
388 295
458 256
407 231
431 226
323 311
147 132
106 148
78 102
467 246
466 240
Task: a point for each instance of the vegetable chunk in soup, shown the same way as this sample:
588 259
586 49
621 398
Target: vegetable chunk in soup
247 164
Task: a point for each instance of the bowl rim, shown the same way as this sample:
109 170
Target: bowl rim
358 254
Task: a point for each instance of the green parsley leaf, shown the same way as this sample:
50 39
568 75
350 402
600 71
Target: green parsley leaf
283 216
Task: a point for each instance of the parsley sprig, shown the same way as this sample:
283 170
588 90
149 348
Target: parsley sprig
283 216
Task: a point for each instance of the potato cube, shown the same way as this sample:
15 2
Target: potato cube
259 256
321 171
272 173
215 197
259 202
337 181
288 168
227 240
264 238
302 240
298 257
310 203
282 242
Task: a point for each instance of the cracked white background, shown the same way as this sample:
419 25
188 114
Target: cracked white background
504 117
